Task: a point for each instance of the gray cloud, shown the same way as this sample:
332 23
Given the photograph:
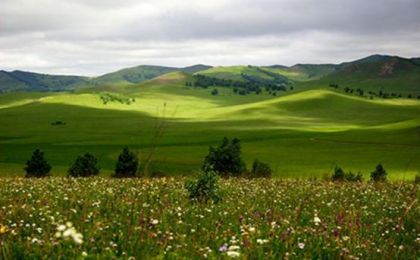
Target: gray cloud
92 36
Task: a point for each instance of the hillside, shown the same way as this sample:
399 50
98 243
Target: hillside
29 81
133 75
378 73
142 73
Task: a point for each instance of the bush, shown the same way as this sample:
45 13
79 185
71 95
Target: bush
37 166
417 179
205 188
353 177
127 164
226 159
379 175
340 175
84 166
260 169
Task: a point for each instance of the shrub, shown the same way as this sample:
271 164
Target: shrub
37 166
379 174
260 169
226 159
127 164
205 188
417 179
340 175
84 166
353 177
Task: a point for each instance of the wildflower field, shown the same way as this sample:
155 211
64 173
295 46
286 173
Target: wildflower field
95 218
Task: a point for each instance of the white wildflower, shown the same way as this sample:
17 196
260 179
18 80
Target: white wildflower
61 228
301 245
317 220
233 248
233 254
262 241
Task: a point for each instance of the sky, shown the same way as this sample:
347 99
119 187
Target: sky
93 37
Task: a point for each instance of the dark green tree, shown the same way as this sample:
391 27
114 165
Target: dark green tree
215 92
37 166
84 166
226 159
260 169
379 174
127 164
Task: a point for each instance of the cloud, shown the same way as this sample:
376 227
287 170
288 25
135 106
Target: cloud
93 37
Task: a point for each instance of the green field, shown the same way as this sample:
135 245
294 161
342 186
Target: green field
301 133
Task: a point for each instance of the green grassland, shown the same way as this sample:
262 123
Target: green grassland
300 133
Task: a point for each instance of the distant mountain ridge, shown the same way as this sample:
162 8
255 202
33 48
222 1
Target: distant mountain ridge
372 72
30 81
23 80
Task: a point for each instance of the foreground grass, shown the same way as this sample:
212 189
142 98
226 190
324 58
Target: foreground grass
152 218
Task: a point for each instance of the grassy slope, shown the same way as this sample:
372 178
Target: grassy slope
303 134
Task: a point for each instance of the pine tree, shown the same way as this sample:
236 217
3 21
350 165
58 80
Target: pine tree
37 166
379 174
127 164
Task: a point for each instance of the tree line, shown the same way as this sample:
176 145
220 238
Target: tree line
85 165
381 94
226 160
249 84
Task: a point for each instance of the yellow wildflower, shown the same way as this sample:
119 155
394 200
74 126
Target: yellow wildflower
3 229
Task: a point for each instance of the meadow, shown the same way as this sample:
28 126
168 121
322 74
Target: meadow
301 133
103 218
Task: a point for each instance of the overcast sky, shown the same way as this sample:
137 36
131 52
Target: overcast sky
92 37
